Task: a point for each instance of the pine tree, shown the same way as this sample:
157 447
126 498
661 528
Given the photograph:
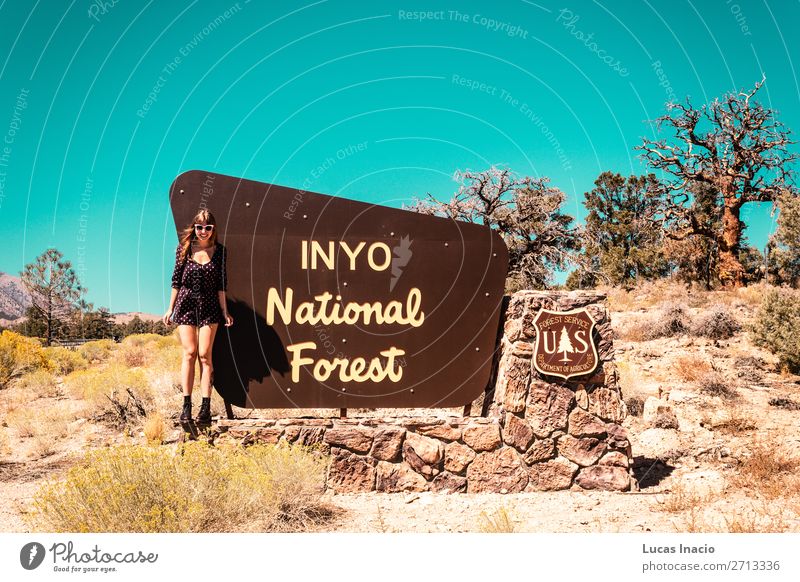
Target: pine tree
623 239
565 345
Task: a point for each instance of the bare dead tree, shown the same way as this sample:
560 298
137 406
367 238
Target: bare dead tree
525 211
736 146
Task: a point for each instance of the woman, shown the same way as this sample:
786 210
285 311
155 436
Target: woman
198 305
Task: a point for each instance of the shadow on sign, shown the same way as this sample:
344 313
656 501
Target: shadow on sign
232 377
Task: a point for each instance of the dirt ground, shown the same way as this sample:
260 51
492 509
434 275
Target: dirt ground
729 466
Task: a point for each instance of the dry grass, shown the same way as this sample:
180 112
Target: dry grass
154 428
771 470
681 498
498 521
39 384
691 367
191 488
42 427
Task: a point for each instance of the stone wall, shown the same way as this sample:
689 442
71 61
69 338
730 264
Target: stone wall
529 434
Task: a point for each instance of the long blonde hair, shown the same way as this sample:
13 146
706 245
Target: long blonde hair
188 235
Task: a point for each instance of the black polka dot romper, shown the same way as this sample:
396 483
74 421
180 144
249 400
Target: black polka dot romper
197 302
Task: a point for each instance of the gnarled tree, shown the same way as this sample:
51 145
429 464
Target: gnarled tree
525 211
736 146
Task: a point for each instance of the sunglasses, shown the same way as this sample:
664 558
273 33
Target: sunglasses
204 227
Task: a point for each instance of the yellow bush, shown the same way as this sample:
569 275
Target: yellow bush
114 383
195 488
141 339
63 360
97 349
18 355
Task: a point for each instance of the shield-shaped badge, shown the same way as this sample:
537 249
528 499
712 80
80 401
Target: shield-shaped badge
564 343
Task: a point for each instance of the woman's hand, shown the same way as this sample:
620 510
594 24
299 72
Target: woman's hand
166 318
228 319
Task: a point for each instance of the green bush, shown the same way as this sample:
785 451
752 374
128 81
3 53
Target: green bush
196 488
19 355
777 327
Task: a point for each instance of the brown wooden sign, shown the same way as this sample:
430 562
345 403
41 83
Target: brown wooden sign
565 344
343 304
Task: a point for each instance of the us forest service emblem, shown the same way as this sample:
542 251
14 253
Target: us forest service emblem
564 343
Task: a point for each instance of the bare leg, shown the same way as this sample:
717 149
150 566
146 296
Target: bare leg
205 344
188 335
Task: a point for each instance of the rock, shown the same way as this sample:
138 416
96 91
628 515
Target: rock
457 457
502 469
604 478
423 454
614 459
513 376
657 443
397 477
512 329
541 450
444 432
581 397
517 433
618 438
522 349
606 404
551 475
584 451
659 413
266 436
548 407
305 436
387 443
449 483
355 438
584 424
482 437
350 473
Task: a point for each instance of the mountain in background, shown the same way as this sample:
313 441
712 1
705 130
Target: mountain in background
15 299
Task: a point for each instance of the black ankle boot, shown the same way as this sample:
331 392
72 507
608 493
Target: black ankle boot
204 416
186 415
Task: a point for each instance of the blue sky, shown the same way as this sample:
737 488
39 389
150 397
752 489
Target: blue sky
105 103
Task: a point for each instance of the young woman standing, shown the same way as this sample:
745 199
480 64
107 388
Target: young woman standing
198 305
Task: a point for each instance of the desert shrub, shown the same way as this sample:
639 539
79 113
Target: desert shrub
154 428
39 384
671 321
635 405
785 403
44 426
64 361
715 384
691 367
142 339
777 327
18 355
124 394
131 355
717 323
97 350
195 488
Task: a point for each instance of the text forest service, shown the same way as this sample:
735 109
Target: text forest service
409 303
